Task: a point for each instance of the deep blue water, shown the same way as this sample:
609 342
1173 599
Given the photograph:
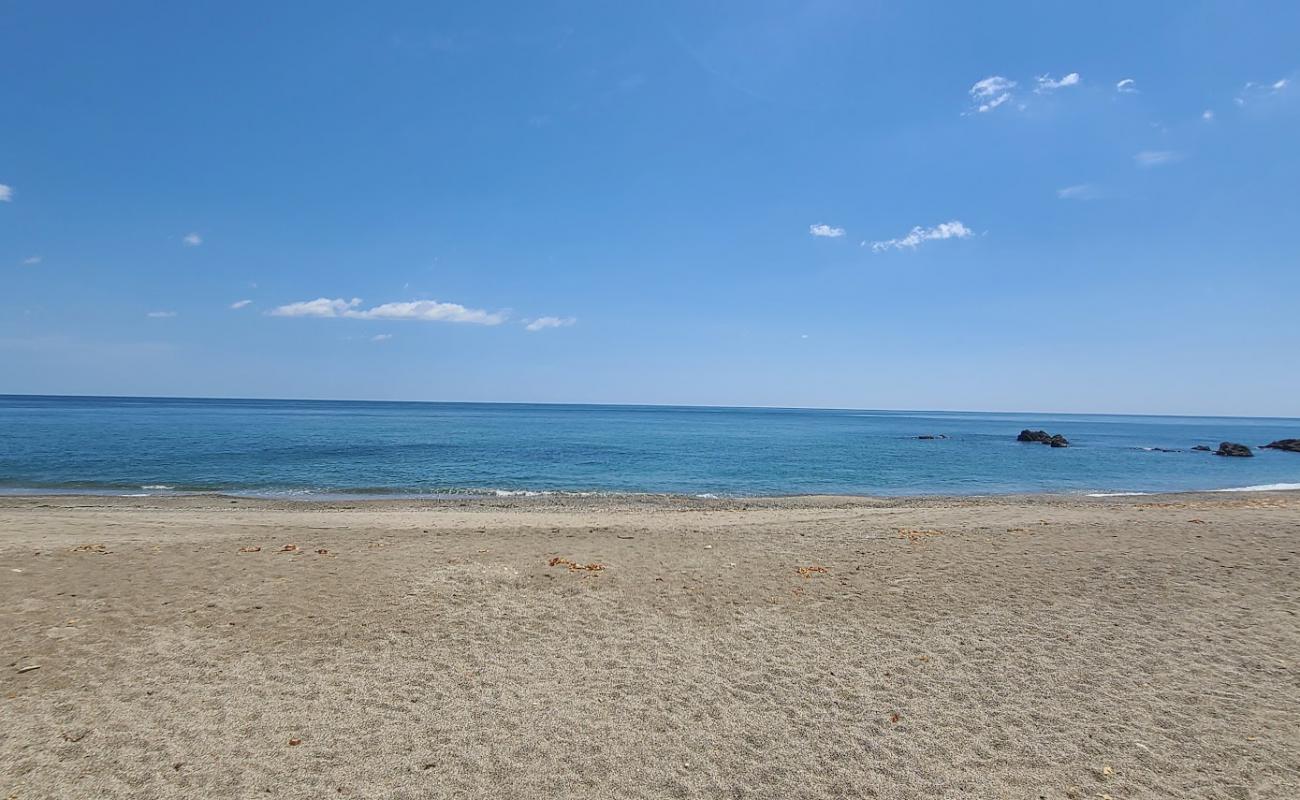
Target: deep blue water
315 448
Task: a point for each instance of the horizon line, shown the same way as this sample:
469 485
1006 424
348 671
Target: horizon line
638 405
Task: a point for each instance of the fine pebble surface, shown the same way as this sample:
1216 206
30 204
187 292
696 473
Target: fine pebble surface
1043 647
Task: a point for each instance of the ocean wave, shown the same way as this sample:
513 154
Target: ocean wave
1118 494
161 486
1264 487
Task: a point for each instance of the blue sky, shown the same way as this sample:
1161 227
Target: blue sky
1036 206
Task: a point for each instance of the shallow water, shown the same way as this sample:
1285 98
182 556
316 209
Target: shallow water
331 448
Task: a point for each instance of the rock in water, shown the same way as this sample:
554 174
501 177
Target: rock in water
1233 449
1289 445
1043 437
932 436
1204 447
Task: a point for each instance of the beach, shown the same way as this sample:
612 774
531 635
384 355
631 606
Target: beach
1021 647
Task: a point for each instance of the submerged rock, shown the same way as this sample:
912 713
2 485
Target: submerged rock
932 436
1205 447
1233 449
1043 437
1289 445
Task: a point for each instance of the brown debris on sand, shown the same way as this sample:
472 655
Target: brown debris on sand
575 566
917 534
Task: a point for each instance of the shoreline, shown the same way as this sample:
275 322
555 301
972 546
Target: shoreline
510 499
629 502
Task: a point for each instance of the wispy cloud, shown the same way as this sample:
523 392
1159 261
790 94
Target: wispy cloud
1207 115
238 304
381 337
31 261
1081 191
821 229
192 240
161 314
542 323
918 235
1259 91
1127 86
1156 158
1047 84
422 310
991 92
6 193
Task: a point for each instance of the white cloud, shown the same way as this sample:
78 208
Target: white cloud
1127 86
424 310
192 240
821 229
914 238
1082 191
1280 85
161 314
1207 115
320 307
1155 158
542 323
1046 84
31 261
991 92
238 304
381 337
430 311
6 193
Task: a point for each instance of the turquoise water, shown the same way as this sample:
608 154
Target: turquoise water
322 449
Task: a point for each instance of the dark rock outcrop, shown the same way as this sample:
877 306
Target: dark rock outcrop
1289 445
1043 437
1204 447
933 436
1233 449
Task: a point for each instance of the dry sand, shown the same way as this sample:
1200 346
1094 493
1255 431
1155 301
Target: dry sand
818 647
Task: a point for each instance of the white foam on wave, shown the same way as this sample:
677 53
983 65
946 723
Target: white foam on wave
1265 487
542 493
157 486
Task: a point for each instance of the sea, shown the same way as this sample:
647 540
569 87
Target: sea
313 449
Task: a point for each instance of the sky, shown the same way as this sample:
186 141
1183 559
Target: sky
1021 207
